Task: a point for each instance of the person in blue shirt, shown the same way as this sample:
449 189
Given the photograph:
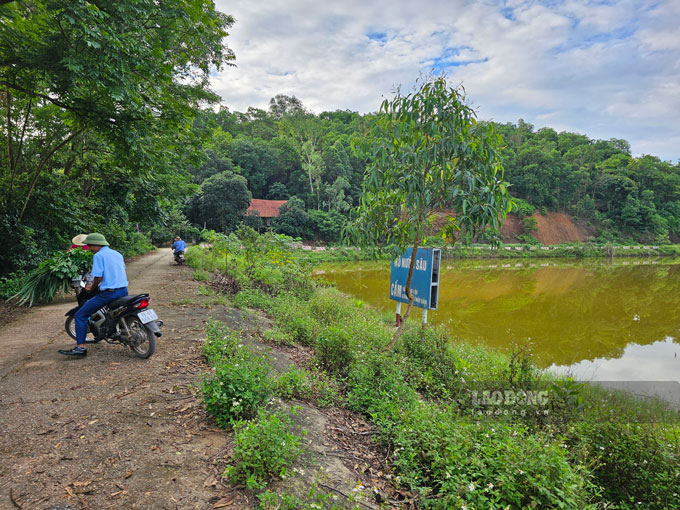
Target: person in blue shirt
110 279
178 245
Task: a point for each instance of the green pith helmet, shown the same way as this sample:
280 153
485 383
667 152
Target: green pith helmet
96 239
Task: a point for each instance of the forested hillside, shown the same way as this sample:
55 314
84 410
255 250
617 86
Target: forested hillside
287 152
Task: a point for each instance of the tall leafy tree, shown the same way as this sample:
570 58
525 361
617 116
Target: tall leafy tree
221 203
429 154
130 71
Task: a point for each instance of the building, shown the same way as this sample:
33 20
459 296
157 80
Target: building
265 209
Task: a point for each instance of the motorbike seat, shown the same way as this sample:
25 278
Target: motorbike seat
125 300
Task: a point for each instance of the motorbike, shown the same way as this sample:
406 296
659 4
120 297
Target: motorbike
179 257
127 321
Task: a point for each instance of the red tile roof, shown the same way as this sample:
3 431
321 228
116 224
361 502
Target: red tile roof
266 208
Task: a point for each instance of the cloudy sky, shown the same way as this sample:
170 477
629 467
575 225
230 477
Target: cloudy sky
605 68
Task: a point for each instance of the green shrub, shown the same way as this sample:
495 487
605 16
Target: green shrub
295 319
430 365
297 383
330 307
296 280
137 244
201 276
634 464
252 298
311 500
279 337
220 342
238 387
522 208
263 449
11 283
529 224
333 350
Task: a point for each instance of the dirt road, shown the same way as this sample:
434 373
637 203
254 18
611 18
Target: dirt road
111 430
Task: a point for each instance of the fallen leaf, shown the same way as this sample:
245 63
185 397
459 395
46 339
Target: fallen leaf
224 502
129 475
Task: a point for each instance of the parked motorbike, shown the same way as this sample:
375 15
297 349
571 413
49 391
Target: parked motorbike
128 321
179 258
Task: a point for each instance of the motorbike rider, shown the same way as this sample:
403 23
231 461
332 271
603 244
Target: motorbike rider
178 246
110 278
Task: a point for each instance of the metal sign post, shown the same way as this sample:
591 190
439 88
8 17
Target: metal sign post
424 283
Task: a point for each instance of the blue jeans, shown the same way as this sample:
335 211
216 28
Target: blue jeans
82 316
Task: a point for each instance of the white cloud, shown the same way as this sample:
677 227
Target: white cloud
609 69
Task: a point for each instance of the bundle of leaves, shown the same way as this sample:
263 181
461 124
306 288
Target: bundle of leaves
52 275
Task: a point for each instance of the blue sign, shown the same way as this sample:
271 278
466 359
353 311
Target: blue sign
425 281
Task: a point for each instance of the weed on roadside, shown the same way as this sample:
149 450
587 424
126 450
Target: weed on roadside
264 448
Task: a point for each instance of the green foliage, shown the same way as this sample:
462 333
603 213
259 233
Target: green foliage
634 465
52 275
239 386
333 350
252 298
11 283
220 342
210 208
201 276
279 337
93 143
138 244
301 384
173 223
293 219
427 152
263 449
311 500
522 208
529 224
296 319
418 397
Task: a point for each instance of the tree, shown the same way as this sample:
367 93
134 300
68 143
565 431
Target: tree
257 161
281 105
428 154
221 203
131 72
278 191
293 220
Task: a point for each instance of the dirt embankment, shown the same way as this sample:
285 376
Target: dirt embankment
553 228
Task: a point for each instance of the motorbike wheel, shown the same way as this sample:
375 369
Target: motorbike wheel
143 343
70 327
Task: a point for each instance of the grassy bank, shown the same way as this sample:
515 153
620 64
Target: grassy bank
508 251
441 407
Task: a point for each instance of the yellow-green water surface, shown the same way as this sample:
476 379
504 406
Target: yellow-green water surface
599 319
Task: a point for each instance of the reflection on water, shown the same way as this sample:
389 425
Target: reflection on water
637 363
582 314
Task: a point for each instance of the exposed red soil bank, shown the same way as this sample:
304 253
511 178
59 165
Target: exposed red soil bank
553 228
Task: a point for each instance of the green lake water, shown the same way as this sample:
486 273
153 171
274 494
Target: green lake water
615 320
